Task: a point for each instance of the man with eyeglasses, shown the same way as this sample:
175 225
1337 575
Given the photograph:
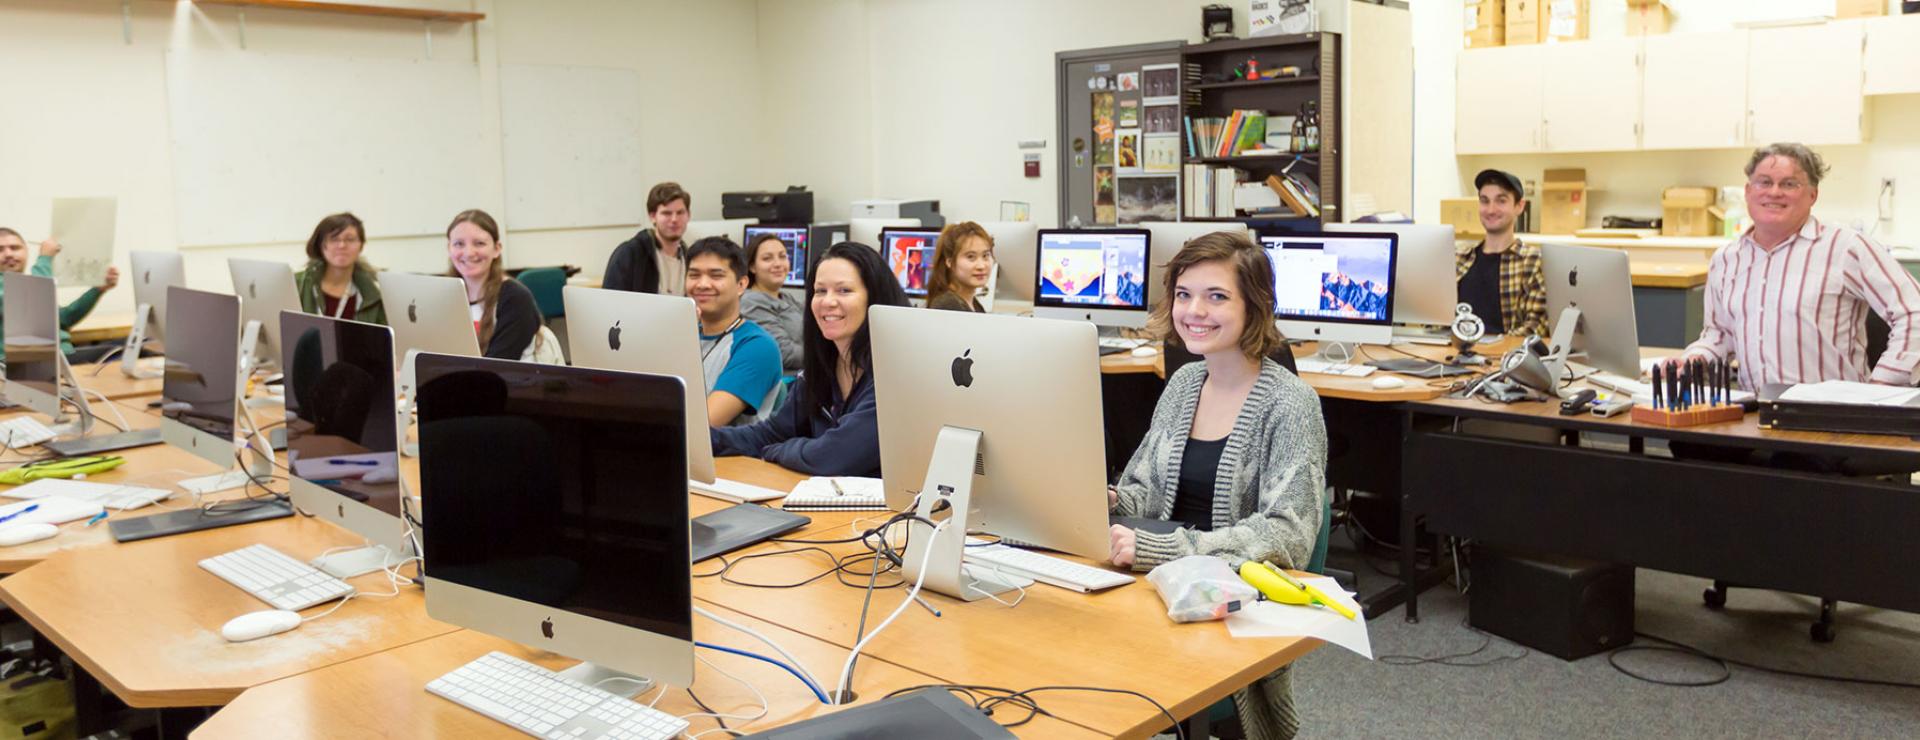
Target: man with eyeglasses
1789 298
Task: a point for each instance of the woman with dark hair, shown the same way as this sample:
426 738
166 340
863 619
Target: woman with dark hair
962 265
337 281
504 314
765 304
827 425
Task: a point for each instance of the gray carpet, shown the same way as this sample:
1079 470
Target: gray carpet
1539 695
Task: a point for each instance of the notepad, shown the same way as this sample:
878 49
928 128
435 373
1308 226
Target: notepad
854 494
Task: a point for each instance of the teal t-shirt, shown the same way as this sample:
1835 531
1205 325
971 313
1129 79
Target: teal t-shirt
744 362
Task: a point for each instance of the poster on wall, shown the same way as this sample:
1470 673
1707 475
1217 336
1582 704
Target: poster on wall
1163 119
1126 150
1129 81
1128 115
1160 84
1148 199
1103 129
1103 213
1160 154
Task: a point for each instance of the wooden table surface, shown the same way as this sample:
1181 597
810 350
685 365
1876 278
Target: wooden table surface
106 379
1340 386
1668 274
102 327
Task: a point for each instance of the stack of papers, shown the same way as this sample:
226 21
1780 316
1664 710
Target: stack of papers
1268 619
838 493
1846 391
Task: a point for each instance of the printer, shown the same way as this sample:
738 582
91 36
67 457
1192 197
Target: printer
927 211
794 206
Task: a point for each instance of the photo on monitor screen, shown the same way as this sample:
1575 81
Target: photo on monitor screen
1094 269
1331 277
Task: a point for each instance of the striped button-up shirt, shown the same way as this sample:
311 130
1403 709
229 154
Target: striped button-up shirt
1797 313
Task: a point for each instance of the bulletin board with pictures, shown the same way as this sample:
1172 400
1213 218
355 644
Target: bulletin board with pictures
1119 153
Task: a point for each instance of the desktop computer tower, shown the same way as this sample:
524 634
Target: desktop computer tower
1565 606
927 211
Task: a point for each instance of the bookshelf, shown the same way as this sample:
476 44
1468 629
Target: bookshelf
1210 90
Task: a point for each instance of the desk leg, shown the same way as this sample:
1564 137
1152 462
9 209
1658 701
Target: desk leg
1413 579
178 724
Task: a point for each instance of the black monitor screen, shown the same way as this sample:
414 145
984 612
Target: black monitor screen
791 236
341 432
560 486
201 388
32 331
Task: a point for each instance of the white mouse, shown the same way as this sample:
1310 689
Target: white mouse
1145 350
1388 382
20 534
381 475
259 624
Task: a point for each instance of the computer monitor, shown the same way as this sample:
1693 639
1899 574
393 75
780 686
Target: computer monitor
558 515
200 395
1170 236
1333 287
1424 290
1028 392
1097 275
794 236
153 274
867 230
1599 283
343 447
33 343
428 313
265 288
1014 244
645 333
909 255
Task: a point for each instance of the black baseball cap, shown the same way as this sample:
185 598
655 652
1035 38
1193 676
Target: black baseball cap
1502 178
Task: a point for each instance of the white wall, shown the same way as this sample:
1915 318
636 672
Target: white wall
1629 183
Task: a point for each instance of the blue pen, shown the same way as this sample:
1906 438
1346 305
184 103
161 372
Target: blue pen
11 517
97 517
353 462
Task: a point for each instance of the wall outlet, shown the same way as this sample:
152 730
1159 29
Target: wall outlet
1883 200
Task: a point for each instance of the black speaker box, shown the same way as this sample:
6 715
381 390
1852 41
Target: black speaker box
1555 604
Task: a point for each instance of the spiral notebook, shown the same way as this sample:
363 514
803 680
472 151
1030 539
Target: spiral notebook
839 493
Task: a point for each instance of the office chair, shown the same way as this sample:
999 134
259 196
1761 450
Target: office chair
546 284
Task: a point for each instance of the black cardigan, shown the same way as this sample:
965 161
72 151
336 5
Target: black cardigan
516 319
632 267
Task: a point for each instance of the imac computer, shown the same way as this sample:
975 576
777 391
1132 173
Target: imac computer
153 274
1333 288
909 255
1014 243
1170 236
265 289
1000 417
794 236
200 394
1424 289
1097 275
428 313
343 447
1590 301
867 230
37 373
558 518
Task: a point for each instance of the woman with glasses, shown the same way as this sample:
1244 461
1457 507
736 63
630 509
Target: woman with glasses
336 281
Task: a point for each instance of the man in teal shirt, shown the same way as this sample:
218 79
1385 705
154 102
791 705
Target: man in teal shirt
13 258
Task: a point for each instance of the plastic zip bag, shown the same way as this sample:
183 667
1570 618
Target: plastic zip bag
1199 588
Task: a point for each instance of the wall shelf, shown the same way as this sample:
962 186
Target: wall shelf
381 11
1302 79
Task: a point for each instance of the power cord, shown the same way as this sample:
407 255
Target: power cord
1459 660
987 698
1675 646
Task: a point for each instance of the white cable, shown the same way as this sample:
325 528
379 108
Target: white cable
108 402
795 662
972 582
764 707
394 581
846 671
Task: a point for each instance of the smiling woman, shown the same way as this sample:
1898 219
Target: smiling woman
505 317
962 265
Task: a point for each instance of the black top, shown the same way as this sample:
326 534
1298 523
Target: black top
516 319
631 266
1480 288
1199 467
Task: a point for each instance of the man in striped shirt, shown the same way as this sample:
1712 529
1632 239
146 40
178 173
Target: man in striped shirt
1790 297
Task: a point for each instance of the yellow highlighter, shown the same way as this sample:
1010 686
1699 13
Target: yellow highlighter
1278 586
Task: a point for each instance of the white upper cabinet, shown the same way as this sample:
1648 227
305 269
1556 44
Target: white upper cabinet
1499 101
1893 55
1695 92
1804 84
1591 101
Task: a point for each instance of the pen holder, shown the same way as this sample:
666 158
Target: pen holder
1690 418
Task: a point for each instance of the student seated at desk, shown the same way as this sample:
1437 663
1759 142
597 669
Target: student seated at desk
765 304
337 281
827 425
740 361
1501 277
13 258
504 314
650 262
1237 451
962 265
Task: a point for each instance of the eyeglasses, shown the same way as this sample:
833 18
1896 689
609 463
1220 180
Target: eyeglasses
1789 186
346 241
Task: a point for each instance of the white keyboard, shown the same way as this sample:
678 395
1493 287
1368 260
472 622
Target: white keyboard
270 576
733 490
110 495
540 703
1120 343
1334 368
24 431
1044 568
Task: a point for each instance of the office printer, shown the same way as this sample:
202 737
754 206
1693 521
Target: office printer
926 210
794 206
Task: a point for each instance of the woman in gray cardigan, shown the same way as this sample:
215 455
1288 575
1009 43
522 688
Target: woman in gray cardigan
1237 452
764 303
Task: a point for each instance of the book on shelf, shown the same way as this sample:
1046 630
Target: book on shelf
1225 136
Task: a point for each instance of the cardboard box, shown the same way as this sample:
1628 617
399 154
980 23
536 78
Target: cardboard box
1463 214
1563 201
1859 8
1485 23
1648 18
1691 211
1545 21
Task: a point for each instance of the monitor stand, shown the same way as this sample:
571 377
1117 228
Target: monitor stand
137 338
406 382
950 481
83 423
358 561
593 674
1423 334
1345 353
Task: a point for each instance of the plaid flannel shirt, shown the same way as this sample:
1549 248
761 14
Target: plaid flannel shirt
1523 286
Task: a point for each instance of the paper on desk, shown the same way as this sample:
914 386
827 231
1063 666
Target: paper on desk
853 486
1846 391
1268 619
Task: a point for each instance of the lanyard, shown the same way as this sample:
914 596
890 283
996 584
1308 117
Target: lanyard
716 340
340 309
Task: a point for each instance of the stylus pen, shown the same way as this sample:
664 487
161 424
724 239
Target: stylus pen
14 515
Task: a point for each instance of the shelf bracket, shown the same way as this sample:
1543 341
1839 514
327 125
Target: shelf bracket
126 21
243 29
427 26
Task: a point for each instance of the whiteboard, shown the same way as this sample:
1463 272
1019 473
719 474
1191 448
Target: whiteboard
572 146
266 145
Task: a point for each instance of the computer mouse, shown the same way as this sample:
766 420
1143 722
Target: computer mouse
20 534
381 475
259 624
1145 350
1388 382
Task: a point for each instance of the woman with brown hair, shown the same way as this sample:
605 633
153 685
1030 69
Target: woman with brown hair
1237 452
337 280
504 314
962 265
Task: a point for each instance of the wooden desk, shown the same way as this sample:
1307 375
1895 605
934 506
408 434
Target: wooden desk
384 694
1668 274
102 327
106 379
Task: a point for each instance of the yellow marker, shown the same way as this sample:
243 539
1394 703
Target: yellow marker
1281 587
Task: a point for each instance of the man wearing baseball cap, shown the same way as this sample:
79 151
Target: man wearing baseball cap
1501 277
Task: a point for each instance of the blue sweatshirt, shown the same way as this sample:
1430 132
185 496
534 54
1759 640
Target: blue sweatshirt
842 441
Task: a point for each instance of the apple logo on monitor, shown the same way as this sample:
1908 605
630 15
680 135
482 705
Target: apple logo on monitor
546 628
1573 278
413 312
963 370
613 337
